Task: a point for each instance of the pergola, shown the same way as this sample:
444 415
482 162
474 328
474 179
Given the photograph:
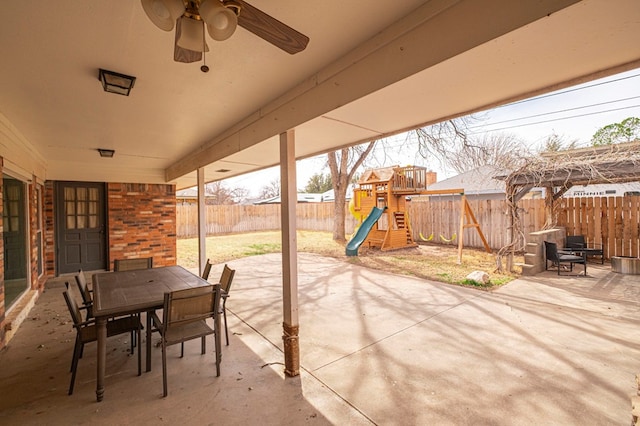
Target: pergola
558 171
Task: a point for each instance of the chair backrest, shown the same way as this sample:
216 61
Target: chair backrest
206 270
133 264
226 279
82 286
575 241
551 251
190 305
74 310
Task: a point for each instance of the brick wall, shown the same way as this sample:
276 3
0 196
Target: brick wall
142 222
49 230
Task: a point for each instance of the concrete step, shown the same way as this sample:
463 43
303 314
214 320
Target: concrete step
528 270
531 258
533 248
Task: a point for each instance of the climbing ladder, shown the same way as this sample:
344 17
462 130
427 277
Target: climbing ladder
401 223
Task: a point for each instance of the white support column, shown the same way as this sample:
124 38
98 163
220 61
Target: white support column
289 197
202 222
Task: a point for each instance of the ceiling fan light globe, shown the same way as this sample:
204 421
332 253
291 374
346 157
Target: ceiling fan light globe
163 13
192 35
221 21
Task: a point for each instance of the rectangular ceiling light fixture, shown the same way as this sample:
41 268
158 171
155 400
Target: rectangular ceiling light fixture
108 153
114 82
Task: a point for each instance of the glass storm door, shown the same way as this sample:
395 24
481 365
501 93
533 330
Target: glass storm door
14 238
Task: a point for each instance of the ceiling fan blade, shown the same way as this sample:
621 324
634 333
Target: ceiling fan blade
270 29
184 55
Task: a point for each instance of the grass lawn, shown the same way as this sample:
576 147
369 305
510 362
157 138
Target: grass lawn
434 262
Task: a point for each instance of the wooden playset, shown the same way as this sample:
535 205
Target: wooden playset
387 189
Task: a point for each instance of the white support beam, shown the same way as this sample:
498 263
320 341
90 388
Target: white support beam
289 197
202 222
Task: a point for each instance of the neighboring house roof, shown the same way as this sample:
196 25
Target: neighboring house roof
479 181
302 198
187 193
190 194
330 195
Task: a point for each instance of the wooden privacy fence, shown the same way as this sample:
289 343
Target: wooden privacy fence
230 219
439 221
612 222
426 217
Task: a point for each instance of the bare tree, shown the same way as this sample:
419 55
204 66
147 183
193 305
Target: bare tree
555 143
343 165
441 139
500 150
272 189
219 193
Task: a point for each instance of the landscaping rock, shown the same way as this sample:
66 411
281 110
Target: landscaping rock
480 277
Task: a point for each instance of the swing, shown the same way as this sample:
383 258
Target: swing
426 239
453 237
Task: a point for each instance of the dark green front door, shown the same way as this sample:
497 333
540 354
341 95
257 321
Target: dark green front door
80 225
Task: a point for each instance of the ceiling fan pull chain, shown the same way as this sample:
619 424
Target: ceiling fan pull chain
204 67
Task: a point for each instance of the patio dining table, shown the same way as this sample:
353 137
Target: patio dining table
133 292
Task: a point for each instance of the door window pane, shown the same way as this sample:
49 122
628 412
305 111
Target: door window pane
70 213
11 214
81 207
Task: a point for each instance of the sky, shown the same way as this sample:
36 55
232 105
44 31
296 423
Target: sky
574 113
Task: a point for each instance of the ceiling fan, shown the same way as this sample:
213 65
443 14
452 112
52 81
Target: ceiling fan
220 17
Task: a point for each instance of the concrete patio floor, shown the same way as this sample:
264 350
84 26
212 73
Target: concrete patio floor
375 348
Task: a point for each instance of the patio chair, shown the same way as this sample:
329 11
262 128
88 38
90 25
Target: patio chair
87 302
206 270
86 332
85 292
185 317
577 243
225 284
557 258
75 296
133 264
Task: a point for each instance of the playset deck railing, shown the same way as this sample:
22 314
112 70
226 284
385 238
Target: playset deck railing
409 179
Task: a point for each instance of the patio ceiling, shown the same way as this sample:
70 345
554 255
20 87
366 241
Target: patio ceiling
369 71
